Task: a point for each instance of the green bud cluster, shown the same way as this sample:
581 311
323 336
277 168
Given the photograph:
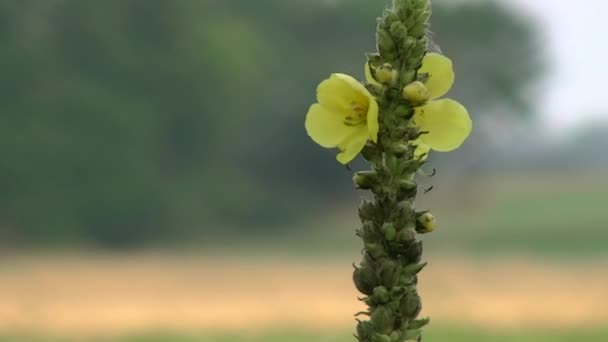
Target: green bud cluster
392 256
401 37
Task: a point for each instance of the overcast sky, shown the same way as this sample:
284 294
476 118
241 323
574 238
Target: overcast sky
577 42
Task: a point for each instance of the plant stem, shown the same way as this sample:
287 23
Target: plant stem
392 254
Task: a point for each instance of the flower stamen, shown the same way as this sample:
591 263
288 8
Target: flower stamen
358 116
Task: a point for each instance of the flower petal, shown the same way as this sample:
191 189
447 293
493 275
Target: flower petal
326 127
368 75
340 91
441 74
422 149
352 145
447 122
373 125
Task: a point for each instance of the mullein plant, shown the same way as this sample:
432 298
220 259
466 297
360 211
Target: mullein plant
394 119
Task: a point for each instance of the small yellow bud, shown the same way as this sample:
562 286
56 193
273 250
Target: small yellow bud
416 93
386 74
426 223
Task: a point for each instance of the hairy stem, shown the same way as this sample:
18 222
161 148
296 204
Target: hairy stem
387 275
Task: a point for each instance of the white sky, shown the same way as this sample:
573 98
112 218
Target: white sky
577 42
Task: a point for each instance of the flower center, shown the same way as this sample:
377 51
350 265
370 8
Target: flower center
357 115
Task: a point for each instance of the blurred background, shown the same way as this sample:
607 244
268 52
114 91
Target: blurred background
157 184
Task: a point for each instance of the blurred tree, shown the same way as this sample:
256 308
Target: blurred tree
497 54
132 121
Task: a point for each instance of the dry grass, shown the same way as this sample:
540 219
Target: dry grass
93 294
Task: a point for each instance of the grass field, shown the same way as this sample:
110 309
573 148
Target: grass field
526 261
535 215
432 335
511 299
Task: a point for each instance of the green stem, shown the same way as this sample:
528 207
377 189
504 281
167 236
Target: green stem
392 254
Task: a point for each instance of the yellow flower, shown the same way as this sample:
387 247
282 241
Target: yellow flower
346 116
447 122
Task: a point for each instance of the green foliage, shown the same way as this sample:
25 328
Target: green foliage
496 51
129 121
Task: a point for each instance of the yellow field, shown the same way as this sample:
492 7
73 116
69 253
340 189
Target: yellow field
94 294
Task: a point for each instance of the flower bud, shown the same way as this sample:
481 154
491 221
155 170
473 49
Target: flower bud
398 30
390 233
381 338
400 148
368 211
403 111
376 250
368 231
406 184
410 305
365 180
407 75
406 235
386 74
426 223
416 93
386 45
365 330
404 215
381 294
418 50
389 273
390 17
371 153
413 252
410 43
383 320
365 280
420 29
395 336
